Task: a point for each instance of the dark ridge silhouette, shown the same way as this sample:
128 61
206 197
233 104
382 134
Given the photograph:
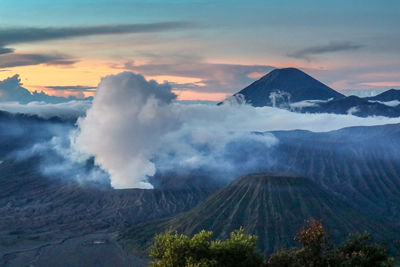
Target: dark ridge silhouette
388 95
354 105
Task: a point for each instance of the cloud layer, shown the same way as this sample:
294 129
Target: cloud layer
12 36
11 90
333 47
79 88
70 110
33 34
5 50
134 128
9 60
213 77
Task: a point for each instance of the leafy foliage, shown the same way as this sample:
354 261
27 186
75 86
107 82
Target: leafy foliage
316 251
171 249
177 250
358 251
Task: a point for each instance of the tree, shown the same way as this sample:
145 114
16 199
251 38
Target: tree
315 250
358 251
171 249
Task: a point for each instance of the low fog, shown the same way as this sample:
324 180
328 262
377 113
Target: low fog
68 110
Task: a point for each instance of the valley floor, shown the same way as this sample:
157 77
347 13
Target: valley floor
99 249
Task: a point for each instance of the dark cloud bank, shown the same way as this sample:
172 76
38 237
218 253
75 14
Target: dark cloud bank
13 36
19 59
333 47
32 34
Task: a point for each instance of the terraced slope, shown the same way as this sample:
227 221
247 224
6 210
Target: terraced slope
359 164
272 207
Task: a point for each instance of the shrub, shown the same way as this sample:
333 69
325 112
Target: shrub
171 249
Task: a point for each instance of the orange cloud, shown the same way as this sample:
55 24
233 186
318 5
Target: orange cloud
194 95
88 73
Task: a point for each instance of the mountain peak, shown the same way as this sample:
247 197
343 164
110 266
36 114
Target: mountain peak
283 73
282 86
286 71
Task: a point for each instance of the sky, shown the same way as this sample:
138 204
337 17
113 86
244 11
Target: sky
205 49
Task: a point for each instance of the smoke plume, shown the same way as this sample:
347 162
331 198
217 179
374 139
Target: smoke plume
124 124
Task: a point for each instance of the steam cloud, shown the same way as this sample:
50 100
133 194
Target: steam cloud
135 128
51 142
122 128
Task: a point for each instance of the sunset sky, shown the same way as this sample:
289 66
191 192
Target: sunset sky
205 49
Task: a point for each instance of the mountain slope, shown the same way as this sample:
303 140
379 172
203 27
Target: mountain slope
36 210
360 164
292 89
286 84
272 207
353 105
386 96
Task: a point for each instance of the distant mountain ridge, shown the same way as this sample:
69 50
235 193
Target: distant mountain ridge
386 96
354 105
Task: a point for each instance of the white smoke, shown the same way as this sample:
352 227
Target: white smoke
353 110
237 99
123 127
58 159
279 98
135 127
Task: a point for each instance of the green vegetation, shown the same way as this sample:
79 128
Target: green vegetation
174 250
315 250
171 249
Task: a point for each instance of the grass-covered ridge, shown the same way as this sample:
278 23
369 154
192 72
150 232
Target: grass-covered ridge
269 206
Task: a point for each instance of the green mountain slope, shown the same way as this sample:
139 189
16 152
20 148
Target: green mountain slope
272 207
